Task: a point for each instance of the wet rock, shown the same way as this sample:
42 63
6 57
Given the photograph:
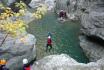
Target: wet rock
64 62
14 50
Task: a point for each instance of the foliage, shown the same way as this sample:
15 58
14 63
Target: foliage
41 10
13 27
20 5
7 13
20 13
17 27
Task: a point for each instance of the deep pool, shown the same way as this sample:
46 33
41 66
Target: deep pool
64 36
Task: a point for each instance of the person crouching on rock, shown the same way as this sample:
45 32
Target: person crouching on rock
49 43
62 15
2 65
26 66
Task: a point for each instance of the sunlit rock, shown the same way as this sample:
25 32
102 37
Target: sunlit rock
64 62
34 3
50 4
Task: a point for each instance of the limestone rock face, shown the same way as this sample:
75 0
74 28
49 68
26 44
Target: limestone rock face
92 28
93 50
50 4
93 22
14 50
34 3
64 62
10 1
60 4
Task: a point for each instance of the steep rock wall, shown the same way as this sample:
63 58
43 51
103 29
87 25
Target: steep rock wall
92 28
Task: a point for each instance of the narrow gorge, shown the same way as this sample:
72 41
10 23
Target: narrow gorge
78 43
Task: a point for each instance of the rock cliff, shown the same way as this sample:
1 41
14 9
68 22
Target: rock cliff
92 28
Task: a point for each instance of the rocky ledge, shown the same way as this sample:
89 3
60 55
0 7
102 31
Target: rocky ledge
64 62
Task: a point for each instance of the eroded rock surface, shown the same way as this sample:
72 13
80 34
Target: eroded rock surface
64 62
92 28
34 3
14 50
93 50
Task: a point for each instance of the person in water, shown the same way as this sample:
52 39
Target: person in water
49 43
26 66
3 65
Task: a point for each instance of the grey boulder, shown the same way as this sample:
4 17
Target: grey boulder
14 50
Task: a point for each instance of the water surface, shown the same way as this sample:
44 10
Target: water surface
64 36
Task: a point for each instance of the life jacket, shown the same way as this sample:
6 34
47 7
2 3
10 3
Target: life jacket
28 68
61 14
49 41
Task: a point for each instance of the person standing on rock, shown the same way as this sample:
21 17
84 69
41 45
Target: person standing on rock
49 43
26 66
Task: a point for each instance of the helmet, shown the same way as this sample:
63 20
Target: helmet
49 36
25 61
3 62
62 10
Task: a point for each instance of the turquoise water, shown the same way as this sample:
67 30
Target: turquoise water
64 37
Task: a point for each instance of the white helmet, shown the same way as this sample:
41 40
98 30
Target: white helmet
49 36
25 61
62 10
